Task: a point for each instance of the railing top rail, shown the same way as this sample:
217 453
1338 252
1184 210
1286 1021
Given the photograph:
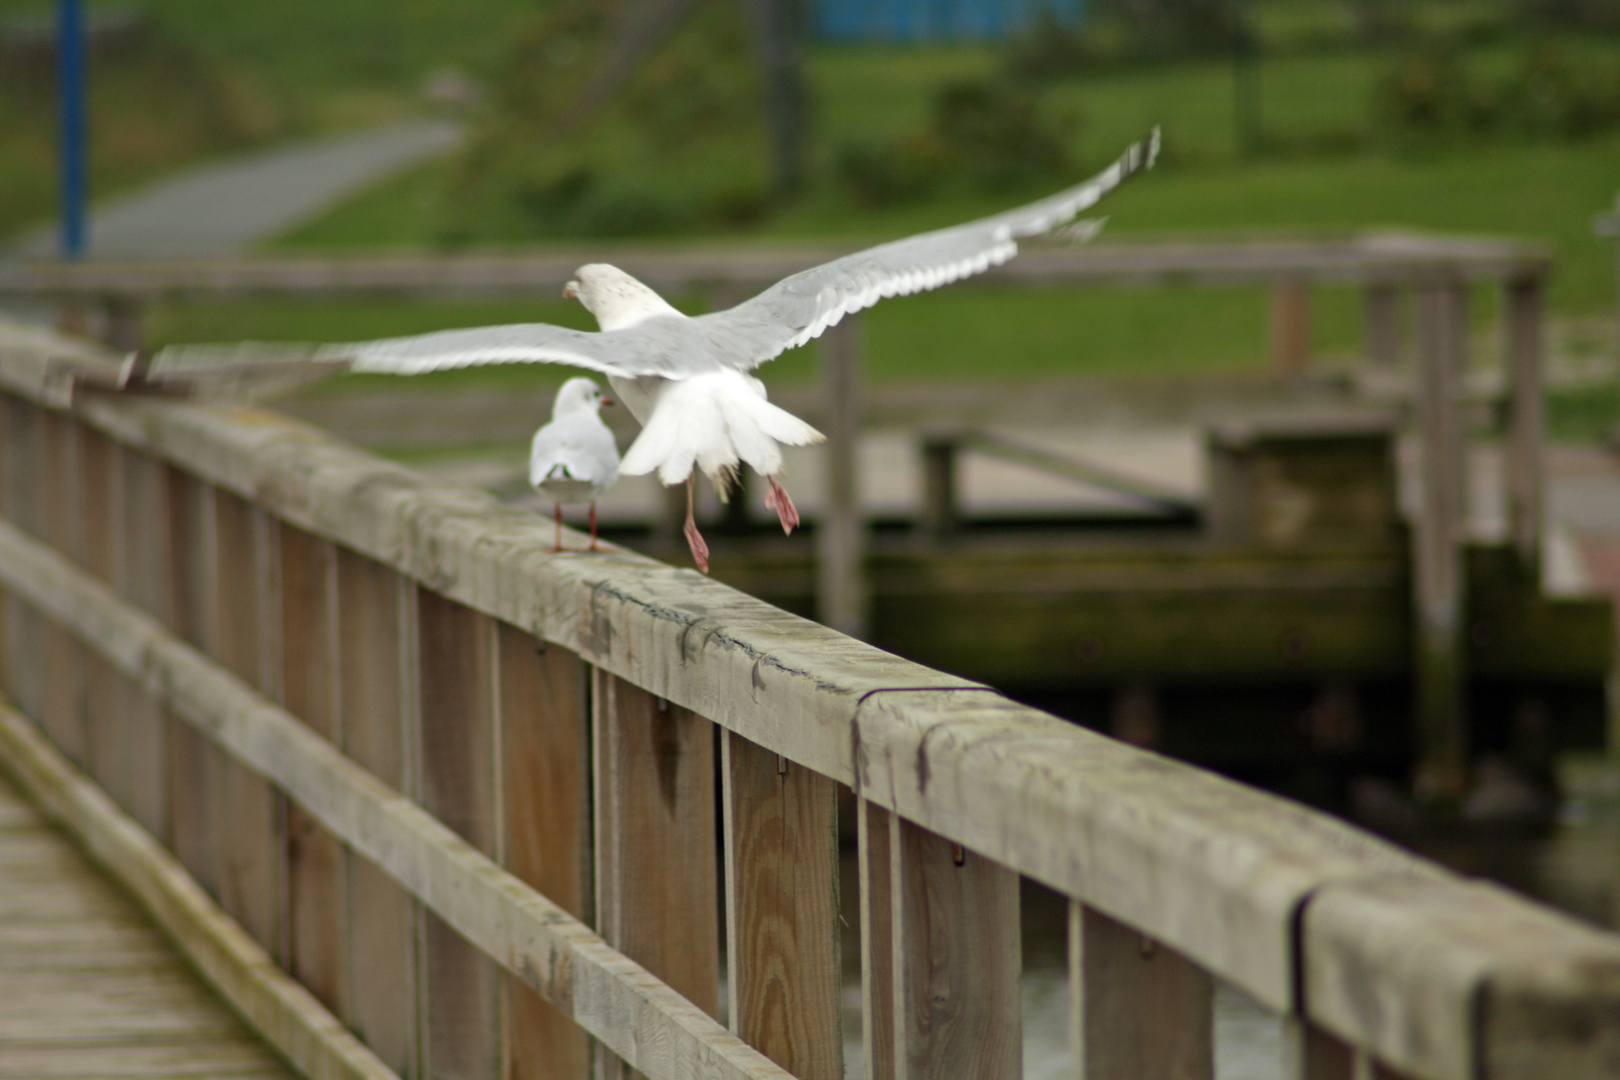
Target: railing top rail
1239 881
1391 257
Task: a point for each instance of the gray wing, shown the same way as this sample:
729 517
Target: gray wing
658 346
799 308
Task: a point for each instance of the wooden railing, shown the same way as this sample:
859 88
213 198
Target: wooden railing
464 792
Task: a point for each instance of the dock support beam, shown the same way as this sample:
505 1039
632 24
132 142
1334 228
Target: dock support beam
1382 324
1523 305
1437 562
841 531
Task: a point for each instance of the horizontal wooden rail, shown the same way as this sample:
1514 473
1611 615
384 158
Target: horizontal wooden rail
1385 258
553 952
960 790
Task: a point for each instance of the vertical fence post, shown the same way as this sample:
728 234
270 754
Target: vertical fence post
841 531
104 688
143 576
62 707
458 778
781 838
1437 564
872 830
1522 345
544 729
375 667
1138 1009
23 495
196 767
252 850
306 602
1290 325
957 960
1381 324
656 889
1313 1054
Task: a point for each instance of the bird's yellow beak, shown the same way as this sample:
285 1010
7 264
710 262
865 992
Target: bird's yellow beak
571 290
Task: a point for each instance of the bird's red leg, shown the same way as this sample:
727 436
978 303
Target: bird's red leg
593 526
778 499
558 545
694 539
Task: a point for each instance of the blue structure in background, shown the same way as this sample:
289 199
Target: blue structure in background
70 124
933 20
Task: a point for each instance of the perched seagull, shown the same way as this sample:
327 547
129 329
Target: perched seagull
688 381
574 459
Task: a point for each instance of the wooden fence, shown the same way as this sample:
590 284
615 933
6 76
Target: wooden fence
463 791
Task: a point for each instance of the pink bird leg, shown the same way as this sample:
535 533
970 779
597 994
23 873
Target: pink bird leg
778 499
694 539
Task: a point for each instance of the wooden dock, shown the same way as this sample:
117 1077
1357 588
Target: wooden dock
89 988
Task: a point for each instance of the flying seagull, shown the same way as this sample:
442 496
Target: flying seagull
688 381
573 459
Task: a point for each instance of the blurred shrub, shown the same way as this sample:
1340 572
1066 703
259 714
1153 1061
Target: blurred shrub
1430 95
1122 31
991 133
677 145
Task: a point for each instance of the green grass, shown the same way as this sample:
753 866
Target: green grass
1329 170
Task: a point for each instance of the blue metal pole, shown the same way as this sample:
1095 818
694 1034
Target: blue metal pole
71 134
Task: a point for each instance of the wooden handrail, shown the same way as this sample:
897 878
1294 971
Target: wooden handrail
1317 919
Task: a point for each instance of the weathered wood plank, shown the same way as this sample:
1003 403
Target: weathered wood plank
239 1058
252 847
841 588
1213 868
197 809
103 687
545 817
61 709
459 787
569 964
1138 1009
306 598
1524 313
226 957
376 668
1454 979
1313 1054
656 871
957 959
142 575
21 499
781 839
872 828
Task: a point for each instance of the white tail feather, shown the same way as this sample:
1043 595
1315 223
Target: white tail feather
714 421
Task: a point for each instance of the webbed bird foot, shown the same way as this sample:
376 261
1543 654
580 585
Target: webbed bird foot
779 500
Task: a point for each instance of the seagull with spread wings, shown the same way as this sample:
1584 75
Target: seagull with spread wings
687 380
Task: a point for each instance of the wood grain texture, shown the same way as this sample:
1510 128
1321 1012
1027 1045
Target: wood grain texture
872 827
1139 1011
1454 979
544 722
129 1016
377 675
252 841
197 807
22 503
656 873
781 842
1313 1054
62 705
458 786
957 959
142 575
307 682
104 689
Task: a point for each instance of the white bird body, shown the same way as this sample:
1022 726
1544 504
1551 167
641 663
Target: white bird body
574 459
688 379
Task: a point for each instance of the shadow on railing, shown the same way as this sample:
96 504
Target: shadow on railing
463 792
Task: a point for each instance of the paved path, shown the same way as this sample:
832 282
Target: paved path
88 987
223 208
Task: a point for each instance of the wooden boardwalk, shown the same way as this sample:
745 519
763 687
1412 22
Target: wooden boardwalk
88 987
